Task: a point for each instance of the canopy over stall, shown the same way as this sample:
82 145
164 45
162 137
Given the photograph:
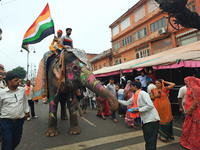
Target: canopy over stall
184 56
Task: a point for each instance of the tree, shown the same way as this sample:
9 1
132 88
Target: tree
20 71
178 10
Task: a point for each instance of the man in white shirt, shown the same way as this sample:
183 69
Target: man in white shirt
181 98
14 109
148 112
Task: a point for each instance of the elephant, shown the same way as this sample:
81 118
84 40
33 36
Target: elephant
62 84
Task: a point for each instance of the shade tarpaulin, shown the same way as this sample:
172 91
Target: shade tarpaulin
184 56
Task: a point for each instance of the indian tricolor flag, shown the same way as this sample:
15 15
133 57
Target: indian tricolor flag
41 28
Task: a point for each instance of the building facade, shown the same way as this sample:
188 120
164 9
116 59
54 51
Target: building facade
145 30
101 60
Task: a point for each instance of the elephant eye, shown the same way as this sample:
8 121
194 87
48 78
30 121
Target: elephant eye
75 68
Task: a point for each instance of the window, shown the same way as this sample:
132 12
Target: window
191 6
164 22
140 34
104 64
116 46
139 13
125 23
152 28
99 66
142 52
152 5
115 30
127 40
188 39
158 24
118 61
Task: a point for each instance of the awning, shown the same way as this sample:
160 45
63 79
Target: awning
184 56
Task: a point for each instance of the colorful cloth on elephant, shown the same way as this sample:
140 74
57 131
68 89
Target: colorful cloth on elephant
40 89
81 55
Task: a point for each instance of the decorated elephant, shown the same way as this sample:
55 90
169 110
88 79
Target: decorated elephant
65 75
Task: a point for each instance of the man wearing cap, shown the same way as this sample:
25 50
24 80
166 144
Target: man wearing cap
55 44
150 85
66 42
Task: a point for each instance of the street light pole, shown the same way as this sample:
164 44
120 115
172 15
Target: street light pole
30 48
27 65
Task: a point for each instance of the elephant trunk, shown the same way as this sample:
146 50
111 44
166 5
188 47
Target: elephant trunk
88 80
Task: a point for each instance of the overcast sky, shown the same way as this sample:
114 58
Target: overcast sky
89 19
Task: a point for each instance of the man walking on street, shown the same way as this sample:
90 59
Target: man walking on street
142 103
14 109
111 88
29 94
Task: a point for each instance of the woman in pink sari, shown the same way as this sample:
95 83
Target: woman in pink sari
127 95
190 137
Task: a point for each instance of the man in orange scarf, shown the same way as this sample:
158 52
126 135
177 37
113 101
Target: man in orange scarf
142 104
55 44
29 94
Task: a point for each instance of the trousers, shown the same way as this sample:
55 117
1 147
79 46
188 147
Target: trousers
31 104
11 133
150 131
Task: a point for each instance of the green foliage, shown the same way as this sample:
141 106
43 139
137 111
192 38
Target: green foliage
20 71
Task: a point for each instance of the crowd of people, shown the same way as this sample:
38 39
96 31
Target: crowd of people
145 102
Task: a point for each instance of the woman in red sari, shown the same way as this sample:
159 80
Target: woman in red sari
102 107
190 137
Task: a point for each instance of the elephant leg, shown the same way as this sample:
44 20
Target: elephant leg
63 111
74 126
52 122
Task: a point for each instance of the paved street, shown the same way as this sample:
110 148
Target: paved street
96 134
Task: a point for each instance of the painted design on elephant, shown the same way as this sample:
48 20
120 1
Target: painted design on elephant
72 71
95 83
81 64
52 115
91 79
52 106
83 76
